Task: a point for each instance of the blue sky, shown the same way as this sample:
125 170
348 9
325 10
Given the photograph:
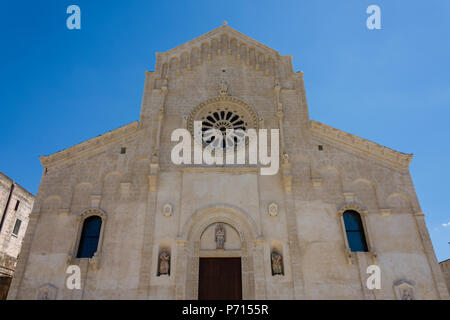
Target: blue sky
59 87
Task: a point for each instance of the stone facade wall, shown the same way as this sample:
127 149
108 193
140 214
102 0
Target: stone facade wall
445 268
15 204
313 187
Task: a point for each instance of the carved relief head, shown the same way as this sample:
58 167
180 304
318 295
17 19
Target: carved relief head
47 292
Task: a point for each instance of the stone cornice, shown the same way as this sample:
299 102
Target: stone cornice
396 158
228 170
90 144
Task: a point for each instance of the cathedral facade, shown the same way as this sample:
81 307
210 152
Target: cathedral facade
140 226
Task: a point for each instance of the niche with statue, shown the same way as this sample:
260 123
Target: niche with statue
276 259
164 262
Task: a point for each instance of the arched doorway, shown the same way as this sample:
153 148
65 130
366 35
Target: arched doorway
220 265
190 250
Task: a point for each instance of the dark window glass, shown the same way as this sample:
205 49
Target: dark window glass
17 227
123 150
17 205
89 237
355 231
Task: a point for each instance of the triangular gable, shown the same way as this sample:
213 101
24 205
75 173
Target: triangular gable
356 143
222 41
90 145
217 33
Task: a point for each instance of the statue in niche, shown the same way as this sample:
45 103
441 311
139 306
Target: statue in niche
220 236
164 263
223 88
47 292
406 295
45 296
277 263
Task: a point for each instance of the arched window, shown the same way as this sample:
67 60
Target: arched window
90 235
355 231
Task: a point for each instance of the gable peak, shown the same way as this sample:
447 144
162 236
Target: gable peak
218 33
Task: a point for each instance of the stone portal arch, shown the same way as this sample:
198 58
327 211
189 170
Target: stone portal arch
189 252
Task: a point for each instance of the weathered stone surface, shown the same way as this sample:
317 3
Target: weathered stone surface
312 189
15 207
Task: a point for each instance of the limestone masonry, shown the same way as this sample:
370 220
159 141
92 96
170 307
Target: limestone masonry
15 207
141 227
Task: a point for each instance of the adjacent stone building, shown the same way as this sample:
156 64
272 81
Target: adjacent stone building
15 206
445 268
140 226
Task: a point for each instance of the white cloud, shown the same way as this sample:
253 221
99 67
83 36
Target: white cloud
446 224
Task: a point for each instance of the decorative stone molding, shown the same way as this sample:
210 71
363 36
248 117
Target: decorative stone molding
316 182
204 253
220 212
89 145
95 200
230 170
47 292
349 196
380 152
356 206
64 212
420 215
273 209
260 239
385 212
180 241
404 289
92 212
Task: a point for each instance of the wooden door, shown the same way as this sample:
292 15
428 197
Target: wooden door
220 279
5 283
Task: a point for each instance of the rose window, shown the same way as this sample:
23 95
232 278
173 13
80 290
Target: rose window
230 118
231 126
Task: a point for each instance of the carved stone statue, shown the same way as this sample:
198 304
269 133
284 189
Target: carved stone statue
47 292
277 263
220 236
164 262
223 88
406 295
